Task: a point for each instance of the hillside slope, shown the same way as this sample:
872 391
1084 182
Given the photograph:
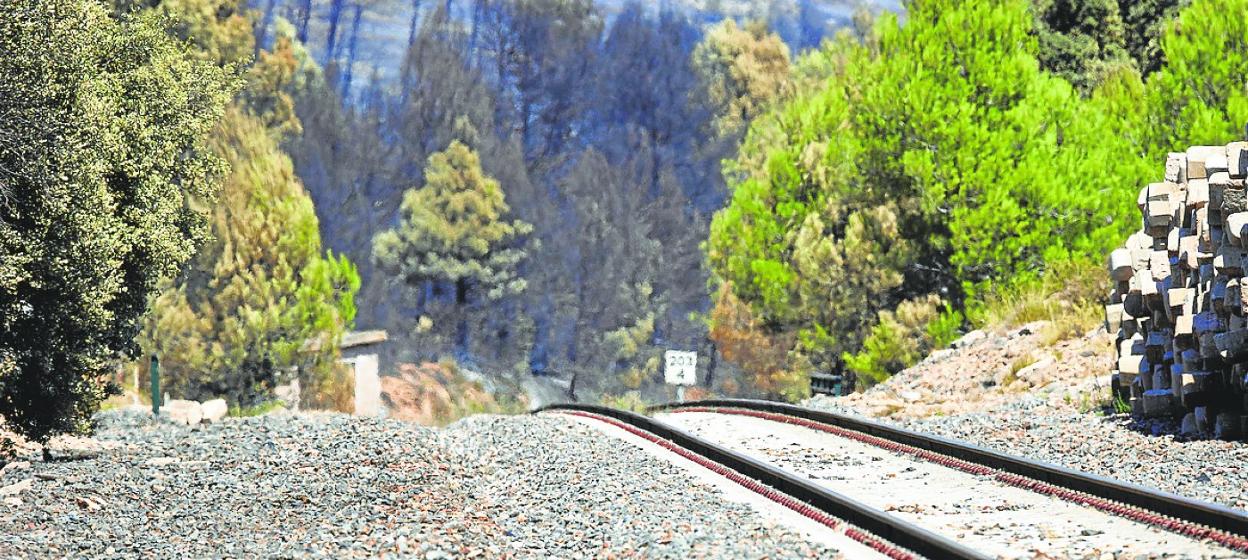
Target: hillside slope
986 372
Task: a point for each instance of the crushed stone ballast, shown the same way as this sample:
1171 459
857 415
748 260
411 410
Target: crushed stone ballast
1191 518
887 534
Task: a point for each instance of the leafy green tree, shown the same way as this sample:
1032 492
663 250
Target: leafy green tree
1199 96
899 338
103 176
454 231
220 30
1078 38
1147 21
238 318
742 71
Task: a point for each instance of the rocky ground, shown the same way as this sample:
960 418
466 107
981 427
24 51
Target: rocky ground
1012 392
986 371
318 485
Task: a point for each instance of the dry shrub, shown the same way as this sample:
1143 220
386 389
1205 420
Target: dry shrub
1068 296
631 401
761 354
698 393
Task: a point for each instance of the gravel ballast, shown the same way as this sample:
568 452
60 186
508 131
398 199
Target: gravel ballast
1022 393
1114 446
321 485
982 513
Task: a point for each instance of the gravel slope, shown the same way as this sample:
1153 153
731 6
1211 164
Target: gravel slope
1111 446
337 486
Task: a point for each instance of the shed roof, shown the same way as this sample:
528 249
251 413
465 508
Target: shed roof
354 339
363 338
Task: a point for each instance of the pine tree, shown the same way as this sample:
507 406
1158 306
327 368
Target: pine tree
455 232
238 319
615 306
906 173
1199 97
743 71
1086 40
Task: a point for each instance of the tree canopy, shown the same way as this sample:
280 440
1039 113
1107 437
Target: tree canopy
240 317
885 184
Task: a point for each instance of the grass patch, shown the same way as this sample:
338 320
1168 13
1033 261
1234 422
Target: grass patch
255 410
1099 402
1121 406
631 401
1015 367
1068 296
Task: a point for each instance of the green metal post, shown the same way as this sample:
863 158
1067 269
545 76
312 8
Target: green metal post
155 373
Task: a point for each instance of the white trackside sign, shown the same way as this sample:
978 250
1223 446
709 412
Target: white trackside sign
681 368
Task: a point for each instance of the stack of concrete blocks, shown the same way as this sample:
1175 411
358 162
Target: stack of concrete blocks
1180 295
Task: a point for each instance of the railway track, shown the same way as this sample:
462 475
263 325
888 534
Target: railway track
841 470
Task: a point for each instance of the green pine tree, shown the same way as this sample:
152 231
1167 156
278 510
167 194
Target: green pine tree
455 232
239 318
936 158
1200 95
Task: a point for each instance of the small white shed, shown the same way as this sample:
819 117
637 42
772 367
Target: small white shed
360 351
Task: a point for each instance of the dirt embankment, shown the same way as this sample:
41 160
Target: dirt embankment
985 371
435 394
1022 393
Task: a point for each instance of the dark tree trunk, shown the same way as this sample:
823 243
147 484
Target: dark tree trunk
713 361
477 8
304 14
262 28
461 307
414 27
335 14
351 52
654 164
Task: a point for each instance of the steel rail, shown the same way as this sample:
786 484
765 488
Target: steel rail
885 526
1233 523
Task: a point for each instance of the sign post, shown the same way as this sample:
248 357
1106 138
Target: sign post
155 375
681 370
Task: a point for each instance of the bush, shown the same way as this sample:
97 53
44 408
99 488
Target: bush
630 401
763 355
246 308
329 388
901 338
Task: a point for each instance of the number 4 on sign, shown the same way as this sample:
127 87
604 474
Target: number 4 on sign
681 369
